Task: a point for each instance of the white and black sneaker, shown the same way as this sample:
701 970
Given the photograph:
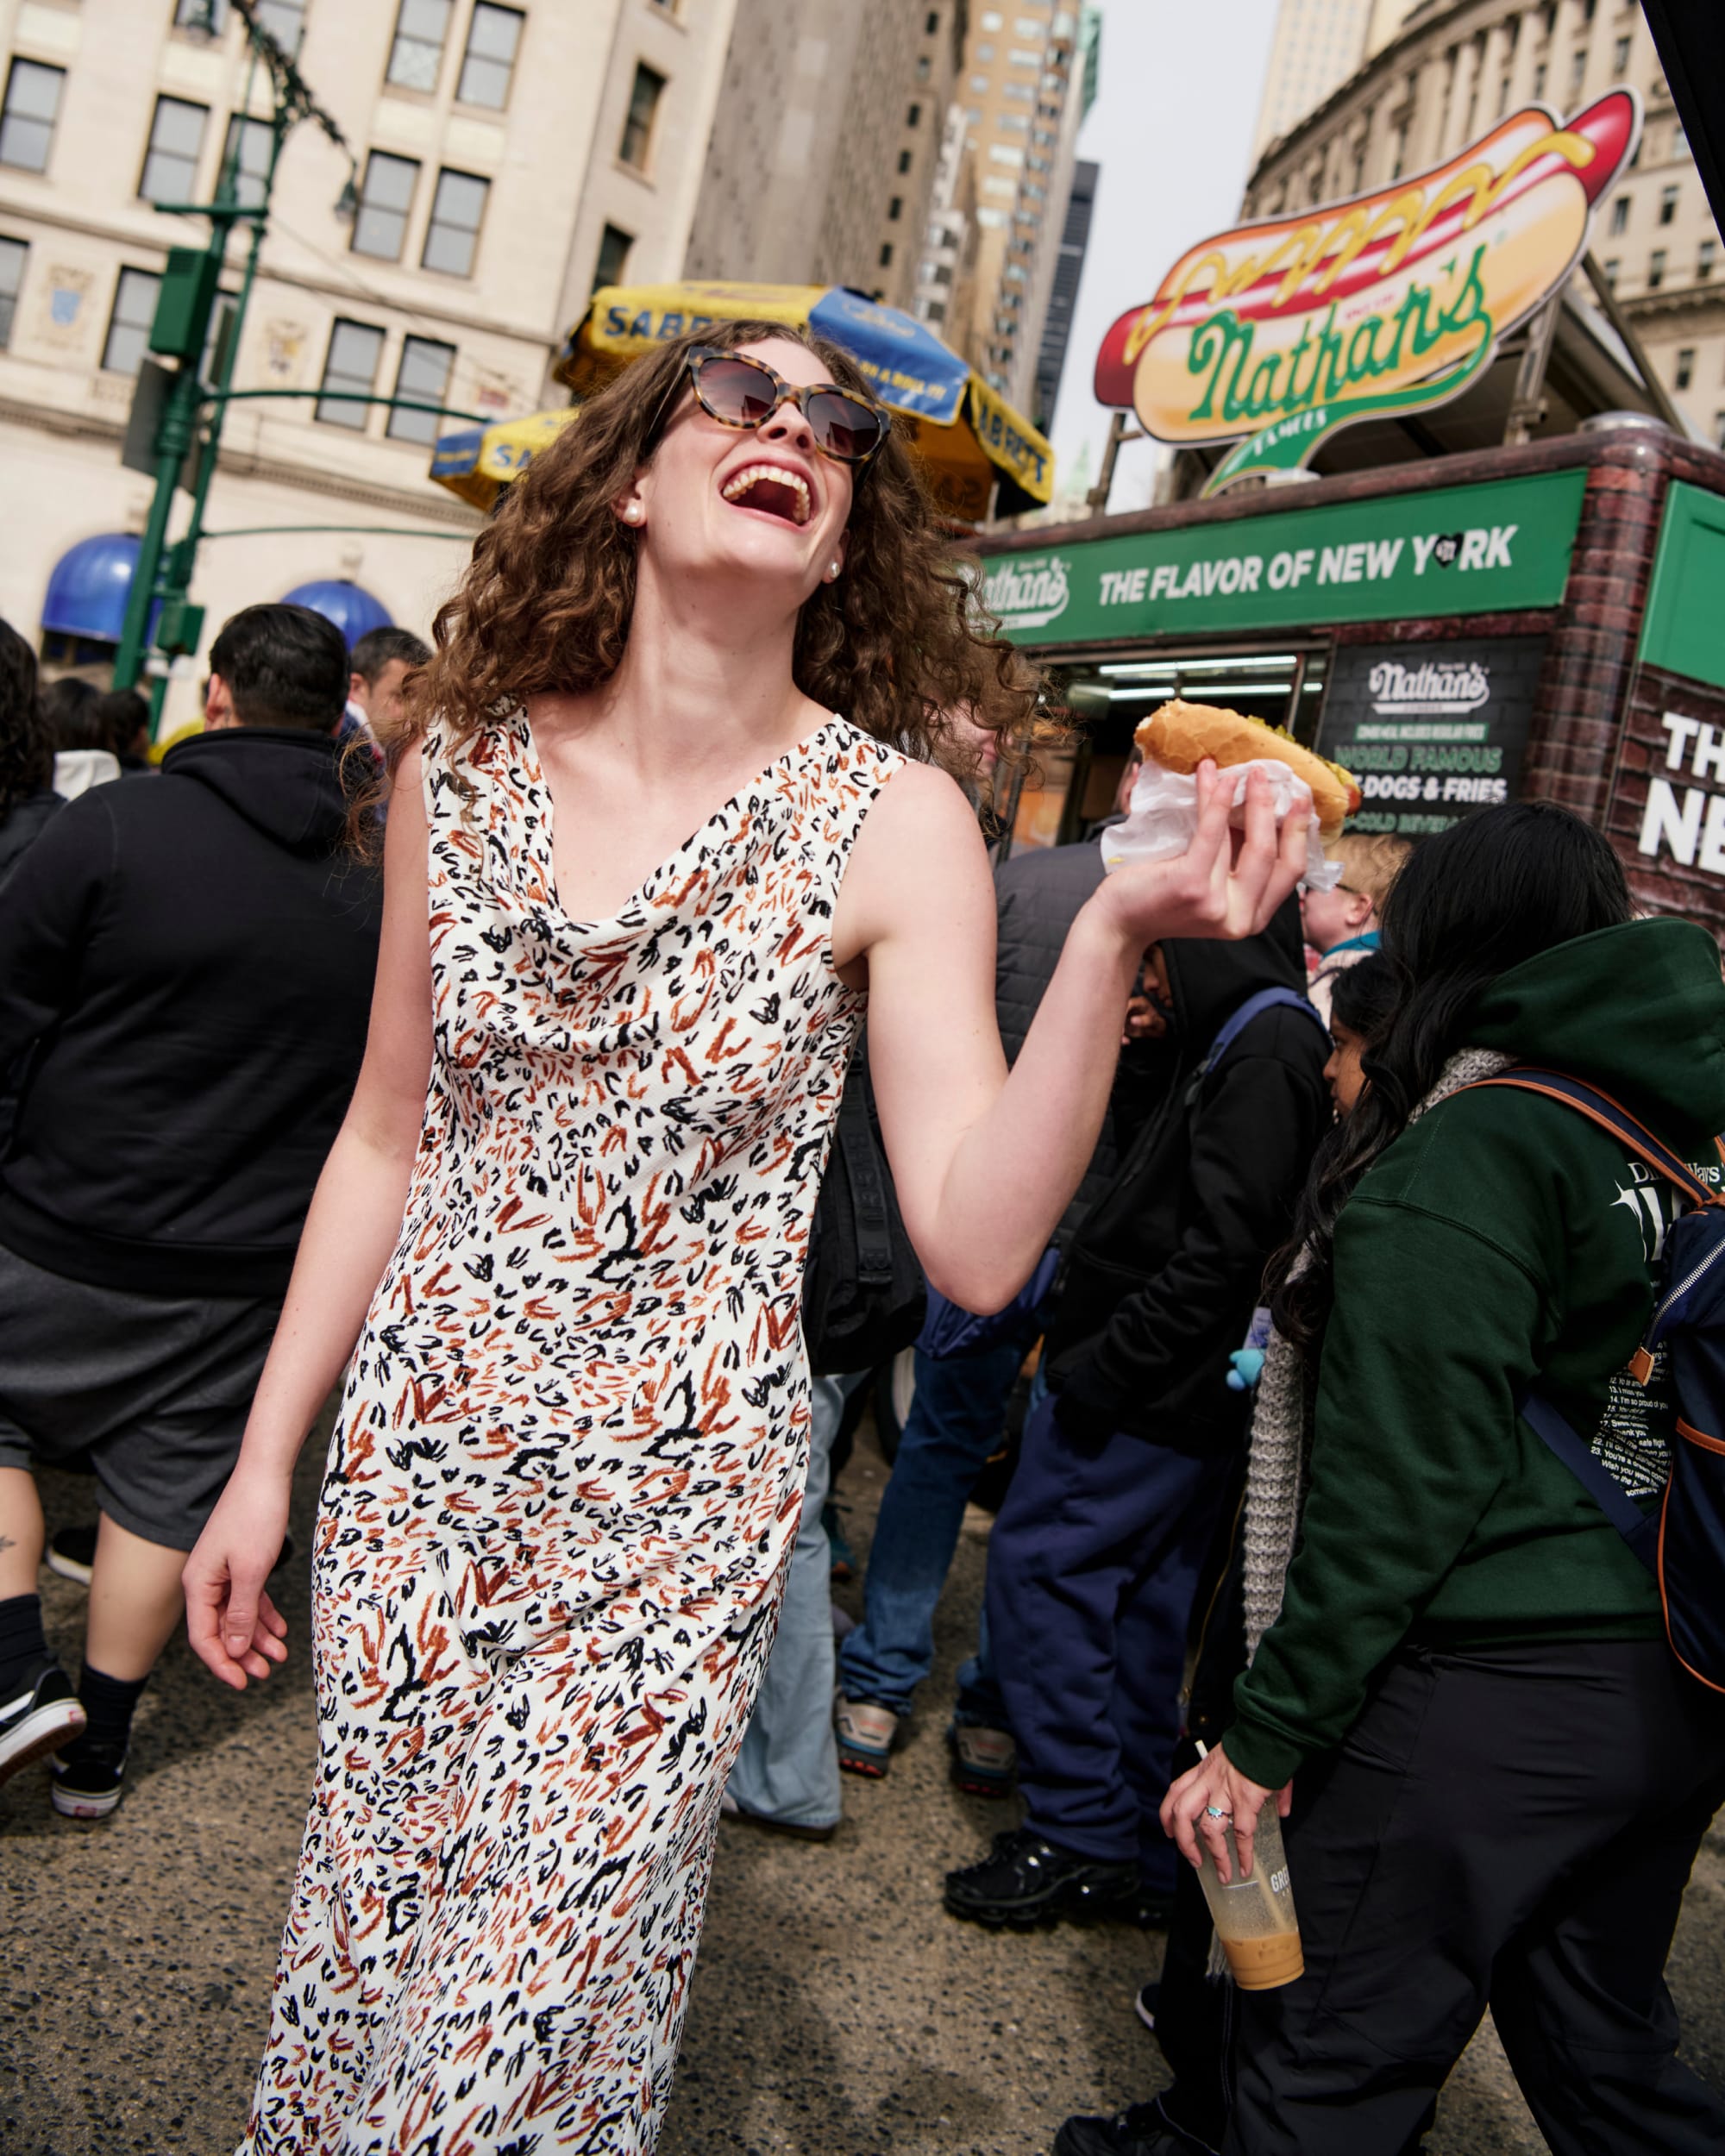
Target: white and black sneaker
41 1715
86 1780
72 1553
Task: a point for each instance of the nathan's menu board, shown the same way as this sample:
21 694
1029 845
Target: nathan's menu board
1433 731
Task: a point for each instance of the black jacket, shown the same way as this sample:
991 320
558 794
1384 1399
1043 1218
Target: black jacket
186 965
1038 896
1162 1279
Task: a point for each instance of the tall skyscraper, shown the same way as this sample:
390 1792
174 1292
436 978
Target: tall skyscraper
1069 269
820 167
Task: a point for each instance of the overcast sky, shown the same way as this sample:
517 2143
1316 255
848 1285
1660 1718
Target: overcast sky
1172 129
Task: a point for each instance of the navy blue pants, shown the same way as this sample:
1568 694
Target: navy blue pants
1092 1566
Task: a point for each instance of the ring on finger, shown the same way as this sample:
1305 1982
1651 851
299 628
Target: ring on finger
1217 1811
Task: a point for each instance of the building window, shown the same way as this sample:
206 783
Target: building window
914 117
895 208
284 19
1539 80
1609 269
1578 70
1684 372
351 366
490 60
1656 270
12 254
176 142
1719 429
424 372
26 118
197 14
1679 149
246 153
1620 216
904 160
1668 206
613 255
887 255
385 198
1620 58
983 55
128 326
418 53
924 67
457 212
1706 254
637 129
932 25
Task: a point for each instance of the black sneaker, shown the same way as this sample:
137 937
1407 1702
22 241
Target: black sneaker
1024 1880
72 1553
41 1715
1139 2131
86 1780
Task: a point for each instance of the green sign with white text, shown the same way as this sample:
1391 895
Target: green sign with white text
1683 627
1485 549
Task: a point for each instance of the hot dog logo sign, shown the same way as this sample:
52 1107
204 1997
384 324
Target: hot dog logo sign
1286 330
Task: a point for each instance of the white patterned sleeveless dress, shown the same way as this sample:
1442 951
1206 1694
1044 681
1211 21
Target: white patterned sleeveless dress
567 1473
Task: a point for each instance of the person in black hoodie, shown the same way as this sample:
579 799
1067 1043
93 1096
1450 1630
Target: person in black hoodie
28 799
185 975
1096 1556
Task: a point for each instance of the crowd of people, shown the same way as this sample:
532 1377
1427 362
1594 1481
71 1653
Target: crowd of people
391 1031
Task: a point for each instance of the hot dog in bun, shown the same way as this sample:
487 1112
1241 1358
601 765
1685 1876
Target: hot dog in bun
1180 736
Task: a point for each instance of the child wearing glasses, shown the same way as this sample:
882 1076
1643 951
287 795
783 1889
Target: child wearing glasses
1341 926
668 811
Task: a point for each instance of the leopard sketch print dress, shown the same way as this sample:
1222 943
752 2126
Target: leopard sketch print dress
566 1476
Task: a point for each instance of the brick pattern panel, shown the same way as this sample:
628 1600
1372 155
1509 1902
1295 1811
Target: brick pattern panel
1685 822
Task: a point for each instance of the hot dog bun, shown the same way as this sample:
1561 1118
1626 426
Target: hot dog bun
1180 736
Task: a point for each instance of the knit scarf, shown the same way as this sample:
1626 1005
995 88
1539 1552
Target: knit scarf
1279 1464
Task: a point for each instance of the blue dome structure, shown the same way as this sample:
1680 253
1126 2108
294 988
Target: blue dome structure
349 605
89 586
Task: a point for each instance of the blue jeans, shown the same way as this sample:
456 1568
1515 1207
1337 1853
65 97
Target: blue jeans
1092 1568
788 1766
954 1423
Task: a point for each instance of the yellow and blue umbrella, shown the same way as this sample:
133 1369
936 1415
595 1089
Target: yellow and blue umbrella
969 441
479 460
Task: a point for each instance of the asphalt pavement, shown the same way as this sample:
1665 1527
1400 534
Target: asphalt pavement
836 2009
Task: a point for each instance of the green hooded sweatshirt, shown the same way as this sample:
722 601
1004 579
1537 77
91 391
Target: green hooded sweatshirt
1502 1238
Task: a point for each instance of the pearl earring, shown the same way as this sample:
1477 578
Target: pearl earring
833 569
631 512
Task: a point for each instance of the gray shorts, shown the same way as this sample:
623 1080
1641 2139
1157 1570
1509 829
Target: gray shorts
150 1393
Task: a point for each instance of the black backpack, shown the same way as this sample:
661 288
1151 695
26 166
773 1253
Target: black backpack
864 1293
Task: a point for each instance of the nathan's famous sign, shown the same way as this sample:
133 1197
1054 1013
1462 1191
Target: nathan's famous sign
1283 331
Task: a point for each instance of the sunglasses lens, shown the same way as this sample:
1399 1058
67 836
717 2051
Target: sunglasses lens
842 427
735 390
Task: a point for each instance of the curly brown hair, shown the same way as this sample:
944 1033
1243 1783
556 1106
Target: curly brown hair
899 645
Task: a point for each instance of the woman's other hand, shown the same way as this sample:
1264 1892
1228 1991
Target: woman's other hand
234 1628
1225 885
1216 1785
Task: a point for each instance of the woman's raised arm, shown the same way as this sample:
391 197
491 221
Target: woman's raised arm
350 1230
986 1163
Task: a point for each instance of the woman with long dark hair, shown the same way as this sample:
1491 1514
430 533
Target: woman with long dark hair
669 809
1499 1773
27 796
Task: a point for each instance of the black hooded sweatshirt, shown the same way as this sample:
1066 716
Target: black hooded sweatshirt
1164 1274
185 975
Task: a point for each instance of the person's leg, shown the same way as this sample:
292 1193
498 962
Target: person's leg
954 1424
1580 1999
1071 1540
1471 1789
38 1710
22 1532
787 1770
135 1602
1144 1708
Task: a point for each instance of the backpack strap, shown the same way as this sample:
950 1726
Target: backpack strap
1610 1115
1638 1529
1237 1021
865 1170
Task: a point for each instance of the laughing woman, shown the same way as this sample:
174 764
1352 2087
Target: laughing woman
670 810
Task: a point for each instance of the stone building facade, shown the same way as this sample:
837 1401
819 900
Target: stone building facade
821 166
1444 74
504 157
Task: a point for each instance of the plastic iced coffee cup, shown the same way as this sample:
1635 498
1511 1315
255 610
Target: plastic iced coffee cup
1254 1918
